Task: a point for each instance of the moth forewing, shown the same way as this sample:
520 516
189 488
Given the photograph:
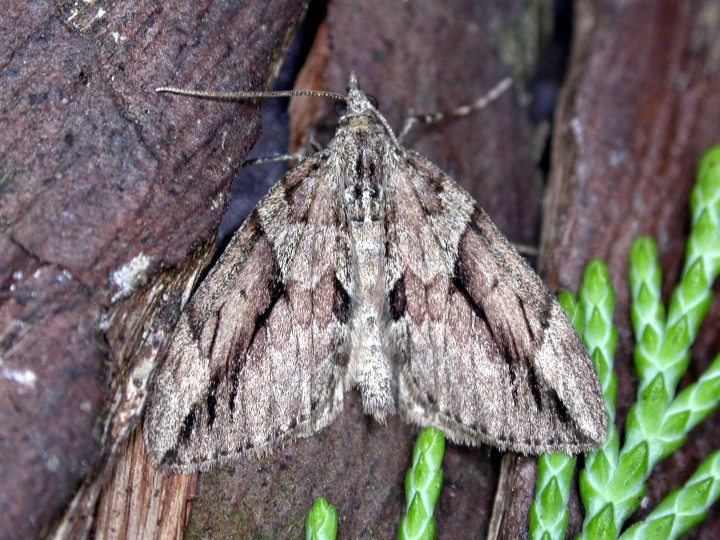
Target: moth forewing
367 264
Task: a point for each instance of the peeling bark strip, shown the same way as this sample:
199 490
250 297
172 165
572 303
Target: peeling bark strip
424 288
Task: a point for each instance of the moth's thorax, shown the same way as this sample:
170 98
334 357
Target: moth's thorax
368 121
362 114
364 178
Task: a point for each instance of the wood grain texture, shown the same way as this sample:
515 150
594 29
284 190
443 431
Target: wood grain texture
138 503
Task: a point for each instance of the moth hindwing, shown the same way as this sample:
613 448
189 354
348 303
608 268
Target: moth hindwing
368 267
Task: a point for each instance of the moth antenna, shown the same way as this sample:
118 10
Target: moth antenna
498 90
241 95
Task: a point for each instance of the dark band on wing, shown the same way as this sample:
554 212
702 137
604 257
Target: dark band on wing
277 291
535 386
560 407
397 300
341 302
276 288
189 423
525 318
211 400
459 282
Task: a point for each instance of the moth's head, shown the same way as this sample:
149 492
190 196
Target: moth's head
358 102
359 110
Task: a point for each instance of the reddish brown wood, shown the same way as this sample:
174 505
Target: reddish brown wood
50 389
139 502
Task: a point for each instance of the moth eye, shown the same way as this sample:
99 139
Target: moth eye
373 100
340 108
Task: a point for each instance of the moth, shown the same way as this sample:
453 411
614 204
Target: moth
368 267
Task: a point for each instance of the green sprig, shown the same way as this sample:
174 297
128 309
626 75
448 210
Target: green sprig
422 486
659 421
684 508
321 522
549 514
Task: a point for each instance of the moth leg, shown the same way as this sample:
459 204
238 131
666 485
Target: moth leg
298 156
315 144
479 104
526 250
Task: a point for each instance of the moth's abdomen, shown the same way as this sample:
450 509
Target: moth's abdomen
369 367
